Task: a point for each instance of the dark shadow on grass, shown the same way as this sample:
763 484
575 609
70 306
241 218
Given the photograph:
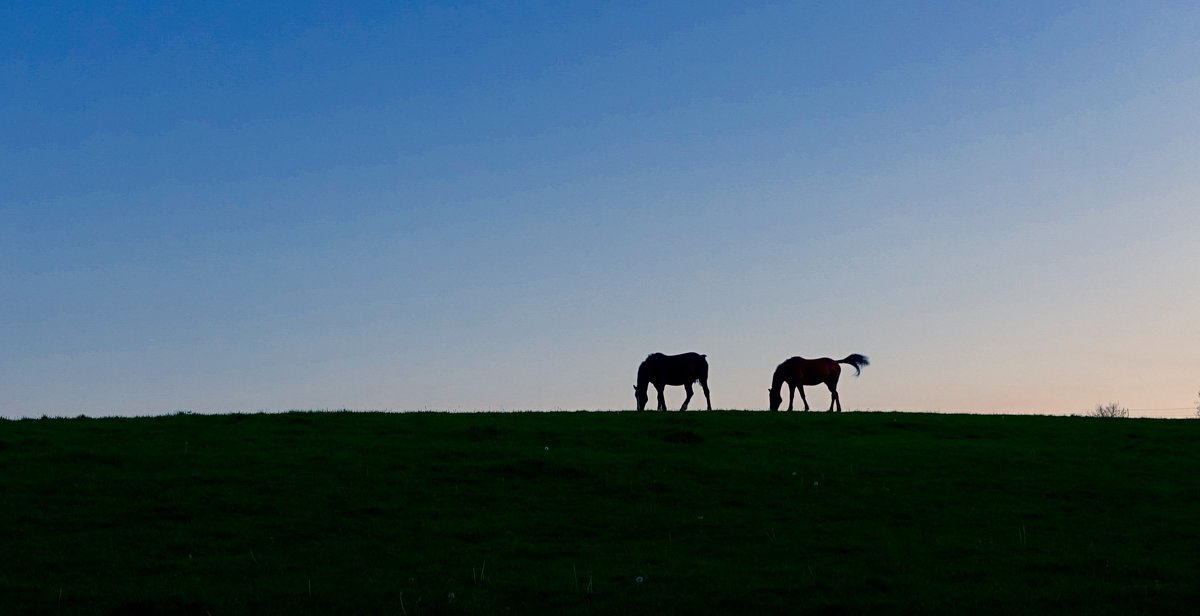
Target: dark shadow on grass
539 469
163 607
476 434
682 437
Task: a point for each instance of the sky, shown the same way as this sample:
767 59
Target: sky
466 206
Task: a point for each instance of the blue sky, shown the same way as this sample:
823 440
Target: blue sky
473 206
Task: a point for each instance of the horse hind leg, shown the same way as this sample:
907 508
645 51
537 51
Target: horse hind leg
834 398
688 388
707 400
662 402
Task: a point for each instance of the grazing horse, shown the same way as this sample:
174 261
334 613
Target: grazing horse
663 370
798 372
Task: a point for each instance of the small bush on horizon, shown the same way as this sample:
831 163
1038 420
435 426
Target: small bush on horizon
1112 409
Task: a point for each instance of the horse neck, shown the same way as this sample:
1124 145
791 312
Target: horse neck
643 378
777 380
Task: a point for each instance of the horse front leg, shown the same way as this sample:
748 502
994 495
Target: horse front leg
662 402
707 400
803 399
688 388
791 396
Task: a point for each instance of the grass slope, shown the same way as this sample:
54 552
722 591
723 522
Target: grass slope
727 512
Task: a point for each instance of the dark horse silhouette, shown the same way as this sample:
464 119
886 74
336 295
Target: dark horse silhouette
663 370
798 372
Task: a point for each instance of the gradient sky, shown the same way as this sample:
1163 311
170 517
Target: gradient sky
474 206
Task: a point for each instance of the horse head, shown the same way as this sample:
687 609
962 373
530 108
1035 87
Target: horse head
641 396
776 398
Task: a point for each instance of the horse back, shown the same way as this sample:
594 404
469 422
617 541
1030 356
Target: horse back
812 371
679 369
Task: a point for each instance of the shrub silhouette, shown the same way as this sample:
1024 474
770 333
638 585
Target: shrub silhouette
1112 409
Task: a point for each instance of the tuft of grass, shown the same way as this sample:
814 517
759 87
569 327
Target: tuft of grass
723 512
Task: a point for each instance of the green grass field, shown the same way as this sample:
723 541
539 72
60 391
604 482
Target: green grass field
599 513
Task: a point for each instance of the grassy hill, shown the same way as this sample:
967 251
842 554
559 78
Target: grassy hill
599 513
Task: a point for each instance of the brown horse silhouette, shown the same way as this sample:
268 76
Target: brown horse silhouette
798 372
663 370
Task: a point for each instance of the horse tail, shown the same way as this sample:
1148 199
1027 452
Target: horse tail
856 360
